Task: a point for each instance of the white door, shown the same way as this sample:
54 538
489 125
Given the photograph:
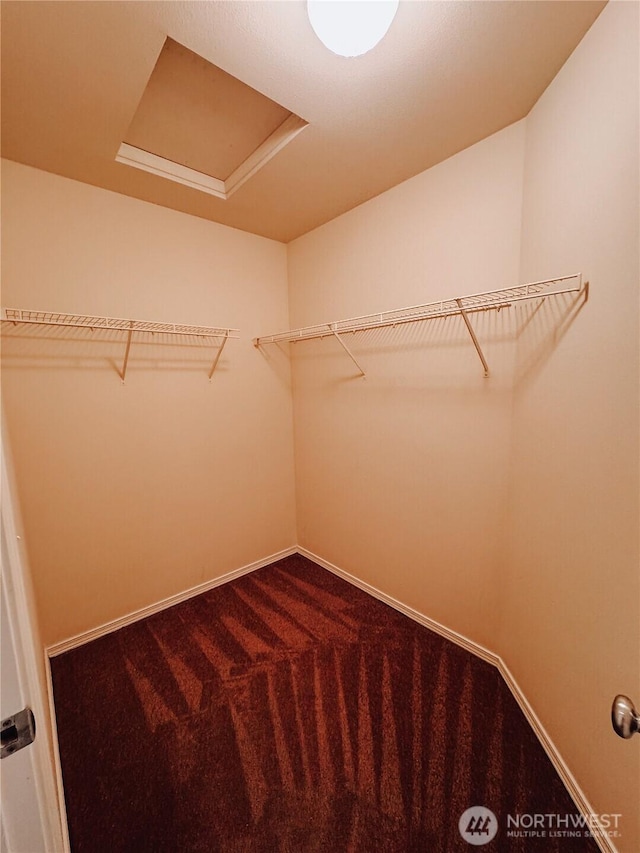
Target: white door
21 828
30 813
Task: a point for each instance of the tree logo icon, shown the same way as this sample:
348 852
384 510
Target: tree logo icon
478 825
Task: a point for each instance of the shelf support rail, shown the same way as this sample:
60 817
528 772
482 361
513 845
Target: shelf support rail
126 353
476 344
347 350
217 356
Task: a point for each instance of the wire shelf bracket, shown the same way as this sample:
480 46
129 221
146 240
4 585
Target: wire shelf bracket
82 321
463 306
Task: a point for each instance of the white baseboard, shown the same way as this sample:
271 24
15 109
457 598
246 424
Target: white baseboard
143 612
456 638
577 795
66 841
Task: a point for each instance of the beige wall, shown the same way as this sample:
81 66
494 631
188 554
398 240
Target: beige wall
507 508
131 493
570 592
402 475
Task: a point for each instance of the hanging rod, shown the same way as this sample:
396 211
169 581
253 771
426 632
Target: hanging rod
82 321
464 305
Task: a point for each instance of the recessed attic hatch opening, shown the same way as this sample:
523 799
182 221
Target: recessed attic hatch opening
199 126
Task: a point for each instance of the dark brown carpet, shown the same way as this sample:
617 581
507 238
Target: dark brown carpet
289 711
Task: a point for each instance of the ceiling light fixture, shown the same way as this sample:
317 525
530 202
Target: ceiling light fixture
351 27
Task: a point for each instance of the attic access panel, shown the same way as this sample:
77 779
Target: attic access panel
200 126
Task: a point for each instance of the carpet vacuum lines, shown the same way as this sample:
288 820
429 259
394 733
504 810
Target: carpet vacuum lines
290 711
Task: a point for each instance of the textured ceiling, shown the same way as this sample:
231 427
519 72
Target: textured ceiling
447 75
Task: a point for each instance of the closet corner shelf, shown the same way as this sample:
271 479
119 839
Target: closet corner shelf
81 321
492 300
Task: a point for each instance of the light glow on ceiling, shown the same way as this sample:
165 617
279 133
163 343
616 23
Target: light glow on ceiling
351 27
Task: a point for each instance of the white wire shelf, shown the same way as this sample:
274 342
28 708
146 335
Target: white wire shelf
84 321
47 318
464 305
